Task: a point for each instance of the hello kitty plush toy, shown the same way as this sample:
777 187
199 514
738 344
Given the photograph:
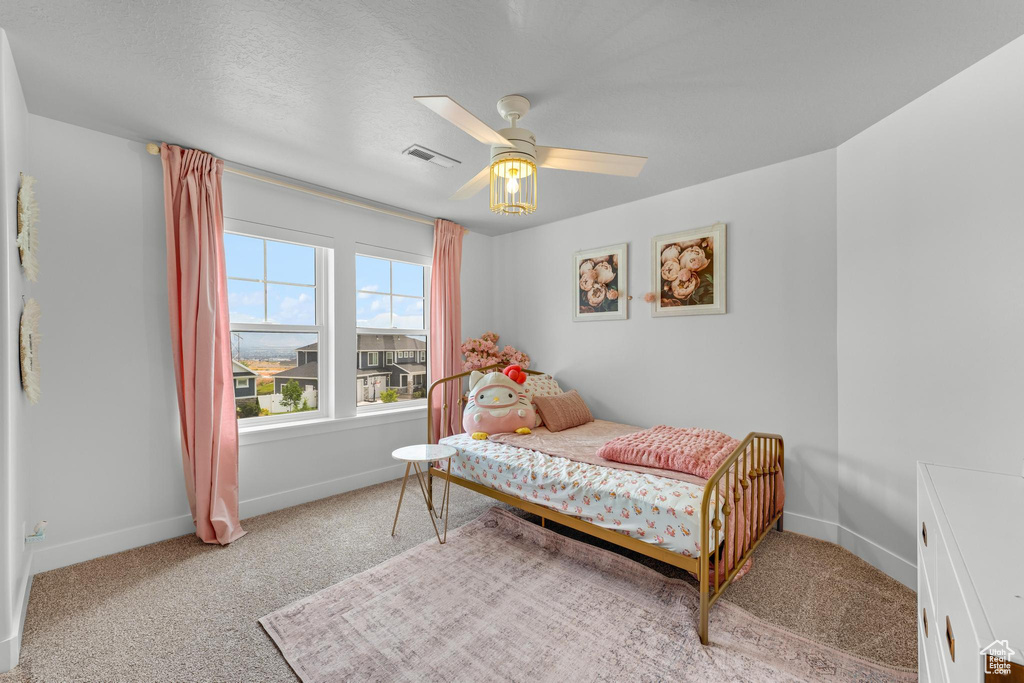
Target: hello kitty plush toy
497 404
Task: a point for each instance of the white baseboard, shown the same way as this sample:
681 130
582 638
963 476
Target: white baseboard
73 552
878 557
10 648
810 526
324 489
869 551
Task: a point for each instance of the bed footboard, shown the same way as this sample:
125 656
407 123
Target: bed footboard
741 502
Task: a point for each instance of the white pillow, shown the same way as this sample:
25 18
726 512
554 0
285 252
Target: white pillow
540 385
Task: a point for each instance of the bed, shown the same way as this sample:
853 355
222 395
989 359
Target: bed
708 527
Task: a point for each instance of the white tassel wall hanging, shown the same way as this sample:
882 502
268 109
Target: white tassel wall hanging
28 217
29 338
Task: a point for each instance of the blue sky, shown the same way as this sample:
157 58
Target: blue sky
285 303
381 310
293 304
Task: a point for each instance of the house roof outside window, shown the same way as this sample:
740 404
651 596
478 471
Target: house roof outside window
390 342
412 368
307 371
239 371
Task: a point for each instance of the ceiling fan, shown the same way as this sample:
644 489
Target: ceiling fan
515 155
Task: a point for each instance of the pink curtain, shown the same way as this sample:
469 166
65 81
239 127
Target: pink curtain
446 323
198 299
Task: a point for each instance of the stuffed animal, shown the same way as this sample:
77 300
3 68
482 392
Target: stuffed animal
497 404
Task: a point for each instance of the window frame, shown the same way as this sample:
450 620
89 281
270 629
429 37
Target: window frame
323 253
373 251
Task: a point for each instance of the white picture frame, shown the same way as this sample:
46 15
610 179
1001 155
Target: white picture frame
602 293
688 272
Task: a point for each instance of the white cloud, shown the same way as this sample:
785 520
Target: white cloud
365 294
381 320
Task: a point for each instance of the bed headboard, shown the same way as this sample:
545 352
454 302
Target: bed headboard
452 393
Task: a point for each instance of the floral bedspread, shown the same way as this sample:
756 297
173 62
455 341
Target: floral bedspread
657 510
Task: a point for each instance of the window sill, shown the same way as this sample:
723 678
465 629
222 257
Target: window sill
293 430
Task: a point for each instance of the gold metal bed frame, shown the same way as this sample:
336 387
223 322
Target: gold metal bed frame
758 456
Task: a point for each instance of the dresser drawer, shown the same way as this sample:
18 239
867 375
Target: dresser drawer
929 656
952 628
928 537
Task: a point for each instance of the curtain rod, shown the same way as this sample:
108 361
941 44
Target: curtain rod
154 149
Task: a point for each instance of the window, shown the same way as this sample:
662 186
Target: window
373 358
241 384
277 301
391 318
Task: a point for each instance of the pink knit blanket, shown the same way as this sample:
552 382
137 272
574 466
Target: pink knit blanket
694 451
700 452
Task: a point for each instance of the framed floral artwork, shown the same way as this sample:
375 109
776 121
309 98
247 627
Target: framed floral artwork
600 277
688 272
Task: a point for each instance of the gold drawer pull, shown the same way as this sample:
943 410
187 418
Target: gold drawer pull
950 640
924 533
924 617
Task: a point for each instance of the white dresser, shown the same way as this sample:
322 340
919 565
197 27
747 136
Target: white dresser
970 572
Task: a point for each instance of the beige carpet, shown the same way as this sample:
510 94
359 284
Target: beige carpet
507 600
181 610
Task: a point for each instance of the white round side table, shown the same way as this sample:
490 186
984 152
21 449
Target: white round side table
423 454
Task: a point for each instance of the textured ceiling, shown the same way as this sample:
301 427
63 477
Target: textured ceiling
322 91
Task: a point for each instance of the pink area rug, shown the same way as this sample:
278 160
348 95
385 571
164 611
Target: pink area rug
505 599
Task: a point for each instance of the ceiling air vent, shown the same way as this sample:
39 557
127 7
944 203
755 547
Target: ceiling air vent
420 152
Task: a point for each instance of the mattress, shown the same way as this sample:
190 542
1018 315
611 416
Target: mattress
657 510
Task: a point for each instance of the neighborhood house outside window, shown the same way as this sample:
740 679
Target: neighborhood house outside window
391 331
276 298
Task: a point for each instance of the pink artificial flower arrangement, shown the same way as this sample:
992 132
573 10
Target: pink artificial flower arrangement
480 353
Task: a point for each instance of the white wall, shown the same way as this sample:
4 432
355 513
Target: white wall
110 478
930 283
768 365
15 557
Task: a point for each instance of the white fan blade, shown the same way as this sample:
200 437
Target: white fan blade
456 114
589 162
479 182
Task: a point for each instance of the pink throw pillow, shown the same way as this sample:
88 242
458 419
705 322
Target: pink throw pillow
562 411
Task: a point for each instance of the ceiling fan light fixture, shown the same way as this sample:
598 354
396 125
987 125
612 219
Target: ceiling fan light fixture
513 186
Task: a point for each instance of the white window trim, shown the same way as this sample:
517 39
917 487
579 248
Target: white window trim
372 358
241 383
374 251
324 289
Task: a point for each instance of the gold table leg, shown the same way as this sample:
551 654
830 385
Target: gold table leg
430 510
400 496
424 481
446 500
